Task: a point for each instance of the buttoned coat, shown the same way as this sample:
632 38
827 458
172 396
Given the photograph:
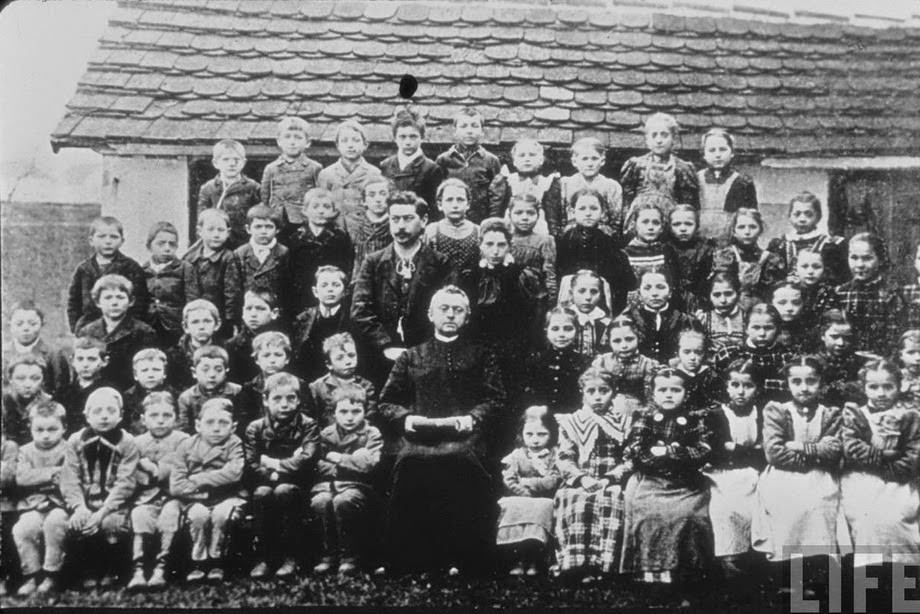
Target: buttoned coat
220 280
284 183
295 446
235 199
121 344
421 176
206 473
80 306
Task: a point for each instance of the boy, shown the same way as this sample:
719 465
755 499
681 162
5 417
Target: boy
369 229
122 334
9 451
260 314
272 352
206 479
468 161
287 179
26 323
349 450
318 242
200 322
150 376
39 533
171 283
23 392
341 360
88 360
153 511
106 237
230 191
280 453
264 262
346 177
210 370
409 168
97 480
527 155
588 158
217 269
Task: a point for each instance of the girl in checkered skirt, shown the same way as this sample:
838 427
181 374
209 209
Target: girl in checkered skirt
588 508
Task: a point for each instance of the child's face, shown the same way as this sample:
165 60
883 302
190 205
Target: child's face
528 158
658 137
723 297
343 361
468 130
454 203
375 198
229 163
561 331
271 359
349 415
200 325
87 363
809 267
103 412
159 419
215 425
262 232
351 145
26 381
47 432
717 152
494 246
761 330
524 217
320 210
149 373
282 402
803 217
741 389
669 392
746 230
210 373
408 140
838 339
113 303
586 294
535 435
649 225
292 143
881 389
25 326
623 341
448 314
804 384
329 289
214 233
106 240
910 356
164 246
864 262
788 302
596 395
256 312
690 353
587 161
587 211
683 225
654 291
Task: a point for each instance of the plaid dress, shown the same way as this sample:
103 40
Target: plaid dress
874 309
634 378
588 524
911 295
769 361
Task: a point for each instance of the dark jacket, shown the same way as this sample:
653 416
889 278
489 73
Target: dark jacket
501 191
121 344
56 371
477 170
236 201
170 289
659 342
274 274
422 176
220 280
80 306
294 444
218 471
308 252
15 419
751 455
133 408
284 184
360 450
308 333
589 248
73 398
741 193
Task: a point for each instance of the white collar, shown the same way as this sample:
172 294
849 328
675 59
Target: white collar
328 312
444 339
484 264
405 161
403 254
657 312
25 349
808 236
595 314
263 248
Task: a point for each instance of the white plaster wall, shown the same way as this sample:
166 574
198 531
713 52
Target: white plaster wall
776 187
140 191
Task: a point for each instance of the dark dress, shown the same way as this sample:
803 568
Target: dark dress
581 247
552 378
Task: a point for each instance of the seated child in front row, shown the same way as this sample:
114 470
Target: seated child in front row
272 351
342 361
150 375
201 322
210 367
207 480
349 450
260 314
171 283
22 394
280 449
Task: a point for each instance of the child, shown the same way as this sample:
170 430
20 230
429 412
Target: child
206 479
529 248
280 449
527 155
454 235
660 170
106 236
153 511
288 177
122 334
909 357
260 314
796 326
804 215
735 465
588 157
409 168
817 293
841 365
647 250
230 191
42 525
349 450
657 320
210 368
584 246
588 507
911 294
798 494
316 243
346 177
264 262
724 322
634 371
171 283
704 385
881 453
760 346
26 323
530 476
369 227
272 352
23 393
9 451
87 362
757 269
552 373
694 254
587 298
341 361
470 163
200 323
149 376
217 269
723 189
97 481
667 532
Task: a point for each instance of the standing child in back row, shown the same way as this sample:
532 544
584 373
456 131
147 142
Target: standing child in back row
345 179
527 155
723 190
469 162
231 191
588 157
409 168
804 215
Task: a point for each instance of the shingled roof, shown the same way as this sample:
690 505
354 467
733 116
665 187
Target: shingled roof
182 73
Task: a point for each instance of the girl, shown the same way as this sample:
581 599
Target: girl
872 306
552 373
694 254
527 155
756 268
530 476
723 322
804 216
798 494
735 465
530 248
881 452
660 170
808 273
657 320
667 533
454 236
909 356
633 370
841 365
588 158
704 386
795 326
585 292
588 508
723 190
646 250
171 283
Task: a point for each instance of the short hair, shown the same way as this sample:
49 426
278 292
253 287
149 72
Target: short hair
149 354
263 212
765 309
48 409
467 111
104 221
159 227
592 373
377 180
263 294
216 404
408 117
720 132
449 289
330 269
541 414
589 142
158 398
666 118
91 343
210 351
669 372
296 124
494 224
452 182
206 215
350 124
228 145
526 198
745 366
281 379
271 339
833 317
350 392
98 392
30 360
881 364
112 282
805 360
201 304
754 214
314 193
28 305
565 312
526 141
809 199
337 341
407 197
